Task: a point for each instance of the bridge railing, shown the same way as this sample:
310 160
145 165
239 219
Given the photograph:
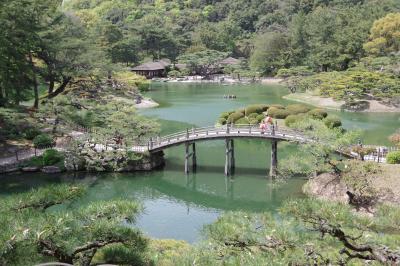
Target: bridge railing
194 133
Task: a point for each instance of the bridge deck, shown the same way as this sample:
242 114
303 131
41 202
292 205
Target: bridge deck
207 133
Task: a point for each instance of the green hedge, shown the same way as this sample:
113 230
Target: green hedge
234 117
332 122
318 113
393 157
51 157
295 109
42 141
278 113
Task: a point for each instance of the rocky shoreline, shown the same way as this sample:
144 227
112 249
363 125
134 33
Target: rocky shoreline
92 161
330 187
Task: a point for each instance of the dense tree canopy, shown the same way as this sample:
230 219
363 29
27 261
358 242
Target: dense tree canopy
43 42
385 35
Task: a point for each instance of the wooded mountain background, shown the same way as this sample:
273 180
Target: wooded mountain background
47 43
322 34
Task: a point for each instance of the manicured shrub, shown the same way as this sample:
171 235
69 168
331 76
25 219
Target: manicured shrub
42 141
393 157
51 157
31 133
253 115
260 118
295 109
318 113
291 119
332 121
253 121
255 108
234 117
242 121
278 113
241 110
225 115
221 121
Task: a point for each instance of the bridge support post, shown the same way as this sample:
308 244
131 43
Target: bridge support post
189 154
274 158
187 158
194 157
229 157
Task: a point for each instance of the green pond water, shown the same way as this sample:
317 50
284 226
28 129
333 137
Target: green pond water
178 205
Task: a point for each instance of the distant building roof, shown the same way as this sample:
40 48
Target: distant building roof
230 61
150 66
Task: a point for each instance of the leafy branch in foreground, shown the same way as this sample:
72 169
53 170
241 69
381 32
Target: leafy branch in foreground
359 236
32 231
307 232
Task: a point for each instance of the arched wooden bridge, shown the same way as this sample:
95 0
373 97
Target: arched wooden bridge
228 133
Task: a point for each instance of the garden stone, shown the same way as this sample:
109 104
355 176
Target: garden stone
30 169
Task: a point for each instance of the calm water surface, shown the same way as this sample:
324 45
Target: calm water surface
176 205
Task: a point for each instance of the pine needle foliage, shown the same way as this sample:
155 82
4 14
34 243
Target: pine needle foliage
33 231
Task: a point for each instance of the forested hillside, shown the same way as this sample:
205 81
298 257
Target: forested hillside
322 34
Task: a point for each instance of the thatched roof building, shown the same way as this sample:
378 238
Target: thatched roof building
152 69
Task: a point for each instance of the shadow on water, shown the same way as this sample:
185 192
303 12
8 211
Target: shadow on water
214 169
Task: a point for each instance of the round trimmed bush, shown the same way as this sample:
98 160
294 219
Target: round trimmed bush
291 119
51 157
260 118
253 121
318 114
42 141
234 117
295 109
253 115
278 113
332 121
393 157
255 108
242 121
225 115
31 133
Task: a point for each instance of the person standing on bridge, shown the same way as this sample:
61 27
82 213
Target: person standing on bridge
268 122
